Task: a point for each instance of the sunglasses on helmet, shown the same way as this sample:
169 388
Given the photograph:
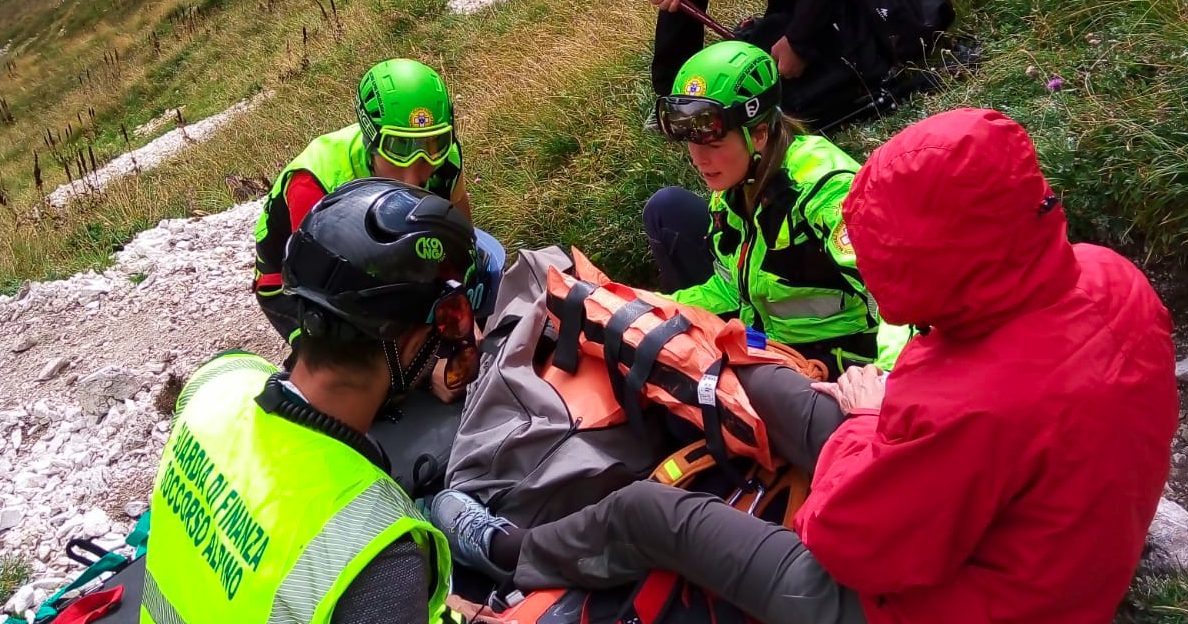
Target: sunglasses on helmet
403 147
702 120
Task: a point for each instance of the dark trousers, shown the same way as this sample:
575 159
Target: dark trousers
676 222
759 567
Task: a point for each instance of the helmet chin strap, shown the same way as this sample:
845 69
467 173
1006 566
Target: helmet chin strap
753 167
401 380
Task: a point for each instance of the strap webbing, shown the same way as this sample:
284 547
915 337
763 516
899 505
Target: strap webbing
572 319
645 358
711 421
613 341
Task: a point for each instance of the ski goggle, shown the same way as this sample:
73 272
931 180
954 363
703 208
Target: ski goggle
453 319
702 120
402 147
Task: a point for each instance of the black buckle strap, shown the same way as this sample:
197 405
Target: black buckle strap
613 340
711 421
572 319
645 358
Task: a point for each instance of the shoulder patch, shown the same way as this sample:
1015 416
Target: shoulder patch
841 240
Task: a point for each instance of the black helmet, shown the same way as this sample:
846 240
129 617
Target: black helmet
377 254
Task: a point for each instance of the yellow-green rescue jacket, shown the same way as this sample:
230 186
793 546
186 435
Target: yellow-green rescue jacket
788 270
258 519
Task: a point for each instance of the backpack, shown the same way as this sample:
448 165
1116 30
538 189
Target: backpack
579 379
911 28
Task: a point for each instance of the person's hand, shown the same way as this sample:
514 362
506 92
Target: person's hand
857 388
469 610
672 6
438 384
788 62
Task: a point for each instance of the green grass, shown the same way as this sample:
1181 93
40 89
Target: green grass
1156 599
14 572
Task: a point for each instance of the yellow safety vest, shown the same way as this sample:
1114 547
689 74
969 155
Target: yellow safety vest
258 519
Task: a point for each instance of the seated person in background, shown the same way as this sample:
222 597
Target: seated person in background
828 53
771 245
1006 472
405 132
270 503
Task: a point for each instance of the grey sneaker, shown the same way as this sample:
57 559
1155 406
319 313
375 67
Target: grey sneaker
468 527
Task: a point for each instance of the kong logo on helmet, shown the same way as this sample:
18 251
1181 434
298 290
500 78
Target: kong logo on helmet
694 86
420 117
429 248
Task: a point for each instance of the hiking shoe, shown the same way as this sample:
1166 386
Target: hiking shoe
468 527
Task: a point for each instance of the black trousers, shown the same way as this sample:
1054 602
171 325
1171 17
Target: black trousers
676 222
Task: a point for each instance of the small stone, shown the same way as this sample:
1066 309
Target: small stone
1167 538
52 583
95 522
17 437
135 509
1182 370
24 343
9 518
52 368
22 599
43 552
30 480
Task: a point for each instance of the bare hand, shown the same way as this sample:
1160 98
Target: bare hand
469 610
788 62
857 388
672 6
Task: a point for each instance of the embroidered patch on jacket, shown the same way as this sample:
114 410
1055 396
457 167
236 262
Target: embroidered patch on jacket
841 240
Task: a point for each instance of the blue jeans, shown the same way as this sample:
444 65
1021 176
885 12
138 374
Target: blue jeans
496 257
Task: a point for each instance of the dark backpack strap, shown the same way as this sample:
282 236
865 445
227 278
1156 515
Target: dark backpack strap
613 340
645 358
572 320
711 421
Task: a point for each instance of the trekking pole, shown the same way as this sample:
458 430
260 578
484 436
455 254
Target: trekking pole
708 21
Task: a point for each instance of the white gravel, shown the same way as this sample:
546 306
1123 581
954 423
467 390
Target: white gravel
155 153
79 449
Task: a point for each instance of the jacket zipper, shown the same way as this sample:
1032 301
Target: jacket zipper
744 272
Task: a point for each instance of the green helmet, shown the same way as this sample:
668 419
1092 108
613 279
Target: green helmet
402 94
731 72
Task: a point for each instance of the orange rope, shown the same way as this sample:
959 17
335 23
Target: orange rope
813 369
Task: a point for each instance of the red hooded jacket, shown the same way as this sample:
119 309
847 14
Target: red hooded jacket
1023 442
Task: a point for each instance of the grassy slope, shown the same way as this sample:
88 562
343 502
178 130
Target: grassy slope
550 96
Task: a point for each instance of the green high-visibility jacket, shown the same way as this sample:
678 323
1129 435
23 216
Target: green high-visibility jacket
334 159
788 270
258 519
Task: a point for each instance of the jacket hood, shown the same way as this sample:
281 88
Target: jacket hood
955 227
